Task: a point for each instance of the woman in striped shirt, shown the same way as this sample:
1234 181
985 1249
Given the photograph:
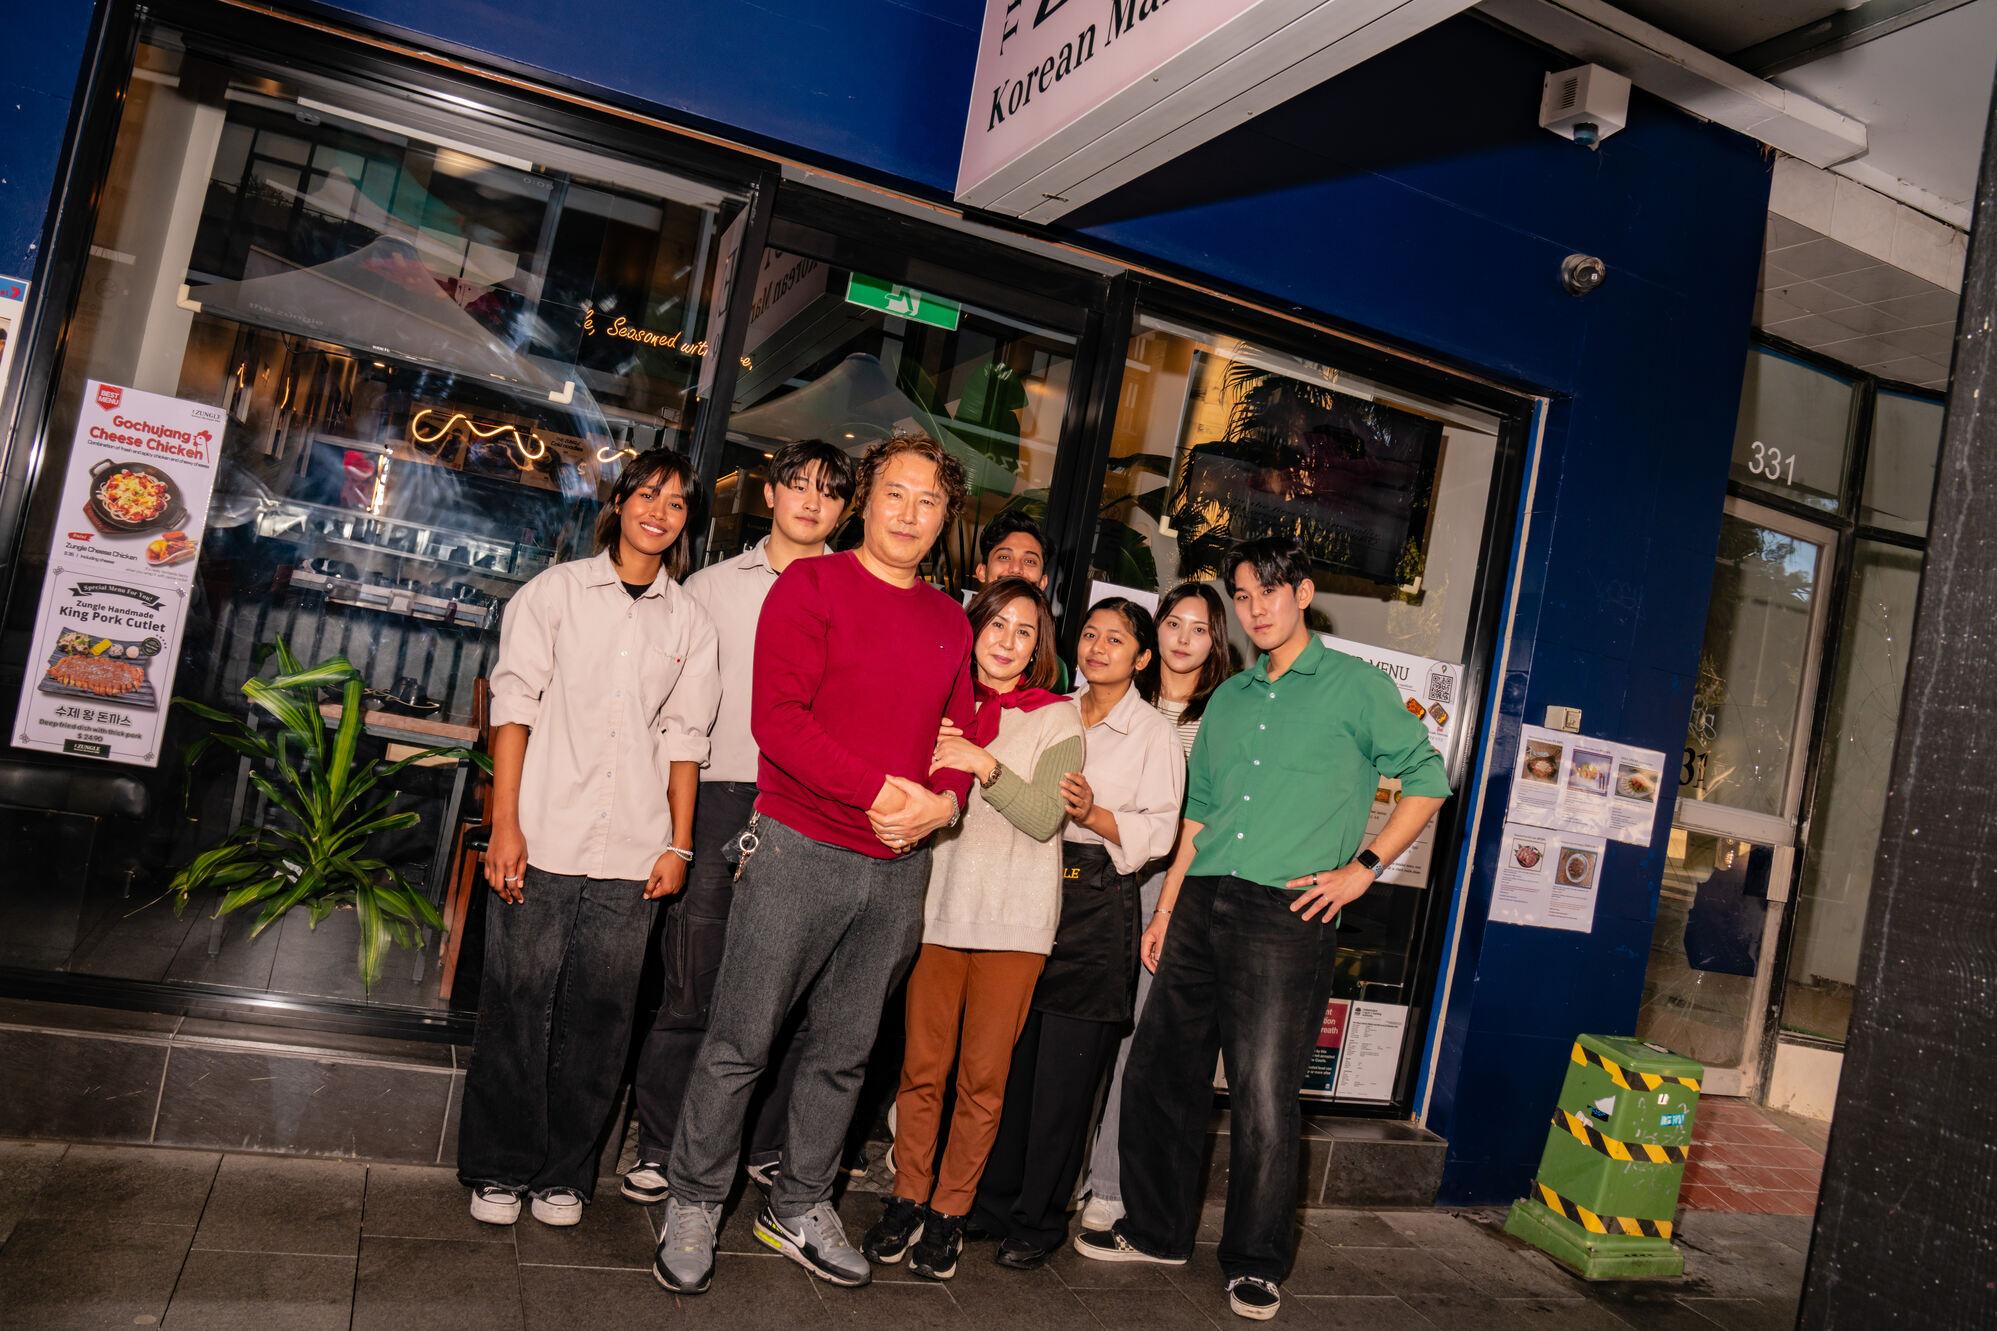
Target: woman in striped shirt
1194 657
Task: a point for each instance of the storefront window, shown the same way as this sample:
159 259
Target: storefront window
1794 431
1857 764
1217 440
846 357
425 346
1900 469
1712 911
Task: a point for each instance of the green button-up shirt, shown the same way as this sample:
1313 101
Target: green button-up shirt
1283 772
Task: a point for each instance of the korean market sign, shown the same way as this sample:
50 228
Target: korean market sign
120 574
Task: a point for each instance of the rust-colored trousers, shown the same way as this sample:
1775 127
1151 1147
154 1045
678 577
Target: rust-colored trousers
966 1007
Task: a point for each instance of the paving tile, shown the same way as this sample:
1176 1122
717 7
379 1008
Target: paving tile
1746 1314
1645 1309
1144 1310
24 1167
1078 1272
580 1296
1500 1314
1363 1229
118 1184
1358 1312
754 1292
277 1204
1513 1270
613 1234
901 1303
1002 1297
419 1202
1435 1229
1409 1271
93 1087
436 1284
254 1291
245 1097
79 1272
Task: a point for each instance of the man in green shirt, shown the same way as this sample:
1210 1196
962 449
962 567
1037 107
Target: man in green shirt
1277 792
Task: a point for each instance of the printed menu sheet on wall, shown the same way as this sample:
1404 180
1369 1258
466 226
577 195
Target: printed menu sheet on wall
1432 691
121 569
1571 796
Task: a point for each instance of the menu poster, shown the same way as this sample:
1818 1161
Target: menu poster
1372 1054
1322 1072
135 499
100 674
1584 786
1536 781
1633 807
1431 691
1548 879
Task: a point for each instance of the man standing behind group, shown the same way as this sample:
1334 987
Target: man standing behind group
858 662
1013 546
809 486
1245 935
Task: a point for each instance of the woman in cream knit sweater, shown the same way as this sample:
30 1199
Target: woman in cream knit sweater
993 906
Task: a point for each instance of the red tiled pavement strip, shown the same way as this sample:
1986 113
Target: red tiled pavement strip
1743 1160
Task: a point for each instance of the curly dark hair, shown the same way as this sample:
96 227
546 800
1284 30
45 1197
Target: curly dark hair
949 471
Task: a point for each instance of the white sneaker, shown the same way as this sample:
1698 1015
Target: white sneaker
494 1205
646 1185
558 1206
1101 1213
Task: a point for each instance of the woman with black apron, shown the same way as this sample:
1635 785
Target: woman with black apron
1123 812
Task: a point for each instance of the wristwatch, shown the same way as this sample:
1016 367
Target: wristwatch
989 781
1368 861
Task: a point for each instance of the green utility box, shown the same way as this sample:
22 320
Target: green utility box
1615 1156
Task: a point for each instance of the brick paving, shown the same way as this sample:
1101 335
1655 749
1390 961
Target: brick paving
1749 1159
117 1236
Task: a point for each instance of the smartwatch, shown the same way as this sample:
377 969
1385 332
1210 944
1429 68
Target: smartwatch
1368 861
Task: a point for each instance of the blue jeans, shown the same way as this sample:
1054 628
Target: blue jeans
1243 977
554 1026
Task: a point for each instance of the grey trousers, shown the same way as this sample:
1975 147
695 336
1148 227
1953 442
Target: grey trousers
1103 1163
807 918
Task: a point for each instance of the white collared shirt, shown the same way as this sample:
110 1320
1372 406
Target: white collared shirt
614 690
732 592
1137 771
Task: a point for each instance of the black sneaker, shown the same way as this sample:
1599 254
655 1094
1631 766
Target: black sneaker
895 1232
646 1184
1253 1297
1018 1254
935 1257
1109 1245
763 1173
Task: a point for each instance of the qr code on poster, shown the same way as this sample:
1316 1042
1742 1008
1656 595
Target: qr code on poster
1441 687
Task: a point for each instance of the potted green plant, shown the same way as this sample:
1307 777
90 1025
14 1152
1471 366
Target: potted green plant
327 809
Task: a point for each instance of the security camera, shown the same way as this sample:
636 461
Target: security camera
1582 273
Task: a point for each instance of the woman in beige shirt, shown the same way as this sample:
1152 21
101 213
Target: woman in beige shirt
1123 812
606 686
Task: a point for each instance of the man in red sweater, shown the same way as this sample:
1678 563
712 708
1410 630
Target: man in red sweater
857 663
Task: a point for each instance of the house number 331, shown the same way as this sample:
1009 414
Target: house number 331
1773 463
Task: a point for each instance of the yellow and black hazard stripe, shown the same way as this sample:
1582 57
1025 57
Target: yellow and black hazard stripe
1647 1080
1631 1152
1635 1226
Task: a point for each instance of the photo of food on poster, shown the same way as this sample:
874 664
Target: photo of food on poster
1577 783
135 498
1584 786
1548 879
101 665
1536 781
1639 779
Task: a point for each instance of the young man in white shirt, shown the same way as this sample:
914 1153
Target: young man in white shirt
810 484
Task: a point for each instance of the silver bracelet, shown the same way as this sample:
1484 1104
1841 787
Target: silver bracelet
686 855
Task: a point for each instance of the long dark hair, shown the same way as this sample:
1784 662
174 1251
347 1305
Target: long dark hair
1145 630
1221 661
1044 670
654 465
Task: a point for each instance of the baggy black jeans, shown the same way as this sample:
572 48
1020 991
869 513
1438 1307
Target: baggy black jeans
807 918
1243 976
692 939
554 1028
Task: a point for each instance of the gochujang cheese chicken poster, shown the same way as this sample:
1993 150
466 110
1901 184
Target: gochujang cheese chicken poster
140 470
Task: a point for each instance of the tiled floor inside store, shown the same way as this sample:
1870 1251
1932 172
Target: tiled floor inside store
115 1236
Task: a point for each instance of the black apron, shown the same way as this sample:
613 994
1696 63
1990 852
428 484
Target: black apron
1091 974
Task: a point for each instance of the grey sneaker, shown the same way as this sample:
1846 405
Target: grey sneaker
816 1241
685 1261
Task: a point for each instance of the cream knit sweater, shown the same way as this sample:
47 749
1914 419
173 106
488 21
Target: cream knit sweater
995 879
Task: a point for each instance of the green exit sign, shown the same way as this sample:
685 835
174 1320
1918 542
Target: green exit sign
903 302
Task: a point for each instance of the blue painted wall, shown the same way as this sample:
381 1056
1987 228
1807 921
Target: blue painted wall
39 63
1414 196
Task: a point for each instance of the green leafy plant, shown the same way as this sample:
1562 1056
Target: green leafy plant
326 812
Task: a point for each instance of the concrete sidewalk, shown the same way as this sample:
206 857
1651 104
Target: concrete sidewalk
114 1236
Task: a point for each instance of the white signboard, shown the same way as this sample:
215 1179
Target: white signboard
121 564
1576 783
1548 879
1432 690
1372 1053
1072 98
13 299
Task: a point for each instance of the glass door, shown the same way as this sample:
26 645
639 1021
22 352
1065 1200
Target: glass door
1731 855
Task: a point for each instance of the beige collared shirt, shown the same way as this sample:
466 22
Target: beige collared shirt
1137 770
614 690
732 592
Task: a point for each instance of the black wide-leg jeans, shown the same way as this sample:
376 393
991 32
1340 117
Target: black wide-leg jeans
554 1028
1244 977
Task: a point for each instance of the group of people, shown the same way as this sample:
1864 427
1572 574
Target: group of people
847 785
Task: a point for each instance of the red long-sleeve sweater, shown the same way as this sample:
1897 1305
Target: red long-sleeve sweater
853 675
